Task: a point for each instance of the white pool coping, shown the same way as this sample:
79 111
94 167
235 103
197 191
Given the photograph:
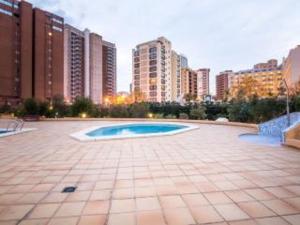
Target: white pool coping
24 130
82 135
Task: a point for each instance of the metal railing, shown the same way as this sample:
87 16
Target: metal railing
15 125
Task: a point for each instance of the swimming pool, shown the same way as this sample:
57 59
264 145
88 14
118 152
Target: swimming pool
261 139
6 133
131 130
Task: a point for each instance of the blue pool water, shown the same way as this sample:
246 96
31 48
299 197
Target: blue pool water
262 139
131 129
3 131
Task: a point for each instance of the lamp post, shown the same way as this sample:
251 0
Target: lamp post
287 103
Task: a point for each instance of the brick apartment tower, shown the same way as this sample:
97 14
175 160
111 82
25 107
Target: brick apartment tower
15 51
31 52
48 54
222 84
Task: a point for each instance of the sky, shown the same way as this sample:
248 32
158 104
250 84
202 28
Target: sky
215 34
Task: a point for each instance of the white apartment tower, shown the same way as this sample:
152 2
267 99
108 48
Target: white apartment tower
152 73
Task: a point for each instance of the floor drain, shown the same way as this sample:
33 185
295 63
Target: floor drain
68 189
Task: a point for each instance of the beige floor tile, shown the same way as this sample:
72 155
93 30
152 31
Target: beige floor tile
70 209
174 201
256 209
44 211
243 222
92 220
260 194
34 222
96 207
206 214
231 212
123 193
239 196
271 221
15 212
122 206
195 200
280 207
293 219
122 219
150 218
179 216
217 198
78 196
150 203
64 221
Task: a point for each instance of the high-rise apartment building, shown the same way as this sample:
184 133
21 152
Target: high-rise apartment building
260 82
189 82
48 69
222 83
176 76
109 57
291 69
90 66
152 70
15 51
74 61
31 52
96 75
203 83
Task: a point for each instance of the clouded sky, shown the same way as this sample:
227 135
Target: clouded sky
219 34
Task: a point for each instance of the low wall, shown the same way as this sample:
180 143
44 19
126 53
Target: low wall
292 136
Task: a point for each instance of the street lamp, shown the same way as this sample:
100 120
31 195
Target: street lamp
287 103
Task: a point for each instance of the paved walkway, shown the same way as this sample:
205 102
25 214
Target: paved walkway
206 176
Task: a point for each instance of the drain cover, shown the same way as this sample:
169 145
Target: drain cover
68 189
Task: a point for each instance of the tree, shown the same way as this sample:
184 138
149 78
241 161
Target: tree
198 113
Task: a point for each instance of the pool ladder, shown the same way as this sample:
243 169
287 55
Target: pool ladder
15 125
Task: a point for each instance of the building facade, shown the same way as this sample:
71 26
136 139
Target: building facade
48 69
109 57
291 69
189 83
203 83
176 64
222 84
74 63
152 70
90 66
260 82
31 52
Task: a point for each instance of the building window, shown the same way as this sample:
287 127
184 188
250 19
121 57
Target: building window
5 12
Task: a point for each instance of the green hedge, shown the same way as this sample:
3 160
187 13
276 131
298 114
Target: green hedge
252 111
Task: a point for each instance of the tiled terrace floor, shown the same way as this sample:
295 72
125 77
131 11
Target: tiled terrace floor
206 176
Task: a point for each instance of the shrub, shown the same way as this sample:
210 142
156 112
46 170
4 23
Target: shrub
31 107
170 116
239 112
139 110
198 113
158 116
183 116
118 111
82 105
